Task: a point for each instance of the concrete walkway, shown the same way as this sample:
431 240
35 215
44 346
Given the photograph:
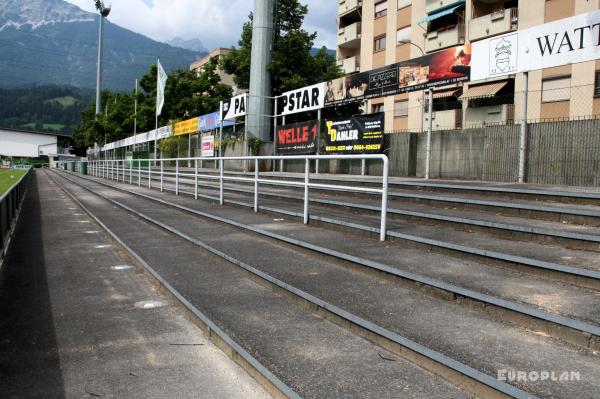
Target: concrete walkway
73 322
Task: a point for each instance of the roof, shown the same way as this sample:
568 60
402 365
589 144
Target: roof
61 134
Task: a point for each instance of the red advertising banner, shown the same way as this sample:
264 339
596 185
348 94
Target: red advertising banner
299 138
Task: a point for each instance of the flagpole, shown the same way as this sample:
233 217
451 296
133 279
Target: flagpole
156 113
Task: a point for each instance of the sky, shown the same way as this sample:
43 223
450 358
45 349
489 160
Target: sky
217 23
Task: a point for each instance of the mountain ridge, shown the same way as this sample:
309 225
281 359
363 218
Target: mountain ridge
55 42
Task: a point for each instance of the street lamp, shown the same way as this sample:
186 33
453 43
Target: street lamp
411 43
104 11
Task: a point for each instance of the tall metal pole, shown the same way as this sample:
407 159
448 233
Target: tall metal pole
260 99
523 136
99 70
135 104
428 149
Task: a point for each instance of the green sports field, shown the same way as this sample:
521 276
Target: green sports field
8 177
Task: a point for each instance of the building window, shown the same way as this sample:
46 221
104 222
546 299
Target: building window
403 35
381 9
403 3
379 43
597 86
556 89
400 108
377 108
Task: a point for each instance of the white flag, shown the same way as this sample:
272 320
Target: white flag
160 87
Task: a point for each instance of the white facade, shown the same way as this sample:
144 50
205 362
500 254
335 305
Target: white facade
24 144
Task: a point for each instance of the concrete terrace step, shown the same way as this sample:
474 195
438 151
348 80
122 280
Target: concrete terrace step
468 335
69 325
310 354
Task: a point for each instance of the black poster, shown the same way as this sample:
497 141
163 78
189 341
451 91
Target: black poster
355 135
299 138
445 67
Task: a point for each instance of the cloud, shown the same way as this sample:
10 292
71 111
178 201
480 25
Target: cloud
217 23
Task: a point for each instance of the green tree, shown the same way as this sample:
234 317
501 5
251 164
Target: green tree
187 94
292 65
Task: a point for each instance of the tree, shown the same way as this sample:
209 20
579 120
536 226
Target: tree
187 94
292 65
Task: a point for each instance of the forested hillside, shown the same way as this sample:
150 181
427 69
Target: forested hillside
43 108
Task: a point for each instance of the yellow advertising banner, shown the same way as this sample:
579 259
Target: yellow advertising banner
185 127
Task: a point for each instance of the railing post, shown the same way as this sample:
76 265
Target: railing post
221 199
255 184
131 172
162 171
150 173
123 167
139 173
384 200
306 181
196 179
177 177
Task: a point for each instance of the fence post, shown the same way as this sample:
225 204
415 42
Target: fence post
196 179
177 177
131 172
384 200
430 127
221 181
523 135
255 184
139 173
161 175
306 180
150 173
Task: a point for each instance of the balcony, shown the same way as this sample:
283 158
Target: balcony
348 6
349 65
448 36
349 36
432 6
501 21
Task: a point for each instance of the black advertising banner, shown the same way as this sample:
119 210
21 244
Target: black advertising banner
355 135
445 67
299 138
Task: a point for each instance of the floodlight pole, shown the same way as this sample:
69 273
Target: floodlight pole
99 65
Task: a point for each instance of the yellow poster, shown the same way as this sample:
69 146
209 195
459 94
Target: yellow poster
185 127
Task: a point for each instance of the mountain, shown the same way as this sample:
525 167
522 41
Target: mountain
55 42
43 108
192 44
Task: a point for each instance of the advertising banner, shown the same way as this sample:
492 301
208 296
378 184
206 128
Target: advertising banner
207 146
164 132
185 127
212 121
235 107
563 42
355 135
298 138
305 99
445 67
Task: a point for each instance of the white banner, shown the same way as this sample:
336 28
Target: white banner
563 42
161 82
235 107
305 99
207 146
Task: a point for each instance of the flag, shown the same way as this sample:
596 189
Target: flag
160 87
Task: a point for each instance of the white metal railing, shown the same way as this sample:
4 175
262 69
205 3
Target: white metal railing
134 171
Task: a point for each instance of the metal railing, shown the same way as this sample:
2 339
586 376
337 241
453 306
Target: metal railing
136 170
10 204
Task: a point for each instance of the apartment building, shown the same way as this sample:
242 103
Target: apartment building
375 33
216 55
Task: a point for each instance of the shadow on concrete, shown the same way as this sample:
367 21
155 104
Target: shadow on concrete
29 359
